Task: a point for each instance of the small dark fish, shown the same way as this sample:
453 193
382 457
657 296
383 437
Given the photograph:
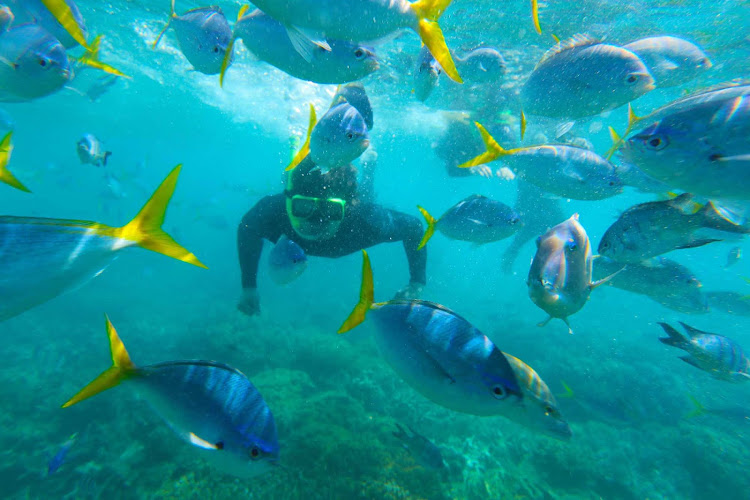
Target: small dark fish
59 459
354 94
718 355
657 227
477 219
101 86
663 280
426 75
91 151
421 448
733 257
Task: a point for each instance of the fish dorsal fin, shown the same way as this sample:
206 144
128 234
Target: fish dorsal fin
683 203
305 41
579 40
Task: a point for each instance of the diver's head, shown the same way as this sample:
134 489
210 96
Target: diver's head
316 202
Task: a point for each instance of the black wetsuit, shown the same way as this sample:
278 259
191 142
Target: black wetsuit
364 225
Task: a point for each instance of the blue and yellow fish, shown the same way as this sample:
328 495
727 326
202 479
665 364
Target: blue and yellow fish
43 258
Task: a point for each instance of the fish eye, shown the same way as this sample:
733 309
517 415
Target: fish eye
548 410
42 62
572 246
254 453
499 392
350 136
703 62
605 244
632 78
359 53
656 143
216 50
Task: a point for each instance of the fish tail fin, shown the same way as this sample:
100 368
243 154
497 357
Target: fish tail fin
675 338
64 16
714 218
366 297
230 48
492 153
523 124
618 140
145 228
430 227
91 59
172 15
698 408
306 146
428 12
107 154
568 391
122 367
535 16
6 148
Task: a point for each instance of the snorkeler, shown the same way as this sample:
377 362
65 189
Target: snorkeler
326 216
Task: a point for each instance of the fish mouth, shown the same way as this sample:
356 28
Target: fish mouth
366 143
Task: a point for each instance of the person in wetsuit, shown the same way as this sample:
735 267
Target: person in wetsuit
324 214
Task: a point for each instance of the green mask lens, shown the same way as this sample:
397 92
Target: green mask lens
305 207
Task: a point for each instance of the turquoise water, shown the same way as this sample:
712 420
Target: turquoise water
335 400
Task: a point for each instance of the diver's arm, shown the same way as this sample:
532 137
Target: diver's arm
408 229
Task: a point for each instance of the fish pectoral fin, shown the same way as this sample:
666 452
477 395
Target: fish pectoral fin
306 41
606 279
689 360
544 323
697 243
202 443
667 64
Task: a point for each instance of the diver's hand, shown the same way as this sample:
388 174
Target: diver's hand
249 302
410 292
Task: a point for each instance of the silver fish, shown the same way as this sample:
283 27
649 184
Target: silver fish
33 64
268 40
44 258
733 257
663 280
90 151
718 355
286 261
559 280
340 137
584 77
35 11
355 94
729 302
204 36
311 22
654 228
567 171
671 61
450 362
482 65
210 405
426 74
698 144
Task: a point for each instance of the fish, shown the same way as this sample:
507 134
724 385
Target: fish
59 459
6 150
477 219
426 74
538 212
33 64
311 22
632 176
672 61
267 39
101 87
657 227
729 302
733 257
568 171
720 356
559 280
340 137
287 261
698 143
583 77
481 65
204 36
90 151
44 258
421 448
663 280
355 94
735 414
71 32
210 405
447 360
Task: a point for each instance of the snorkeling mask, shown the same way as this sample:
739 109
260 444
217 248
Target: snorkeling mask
315 218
